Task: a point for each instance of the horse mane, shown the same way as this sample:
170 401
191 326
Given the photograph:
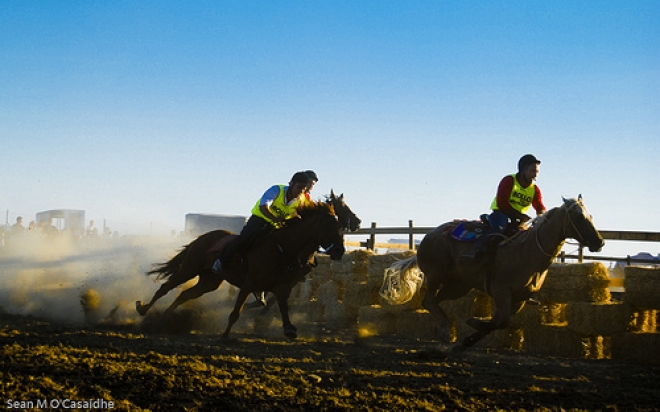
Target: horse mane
316 208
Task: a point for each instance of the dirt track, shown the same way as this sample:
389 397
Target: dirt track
191 371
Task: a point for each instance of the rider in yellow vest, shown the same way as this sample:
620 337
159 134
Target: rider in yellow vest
516 194
278 204
309 262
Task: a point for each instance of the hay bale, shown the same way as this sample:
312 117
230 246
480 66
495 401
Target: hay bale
597 319
353 266
555 341
417 323
528 317
553 313
509 338
482 305
636 347
338 316
584 282
328 293
376 320
642 286
358 294
644 321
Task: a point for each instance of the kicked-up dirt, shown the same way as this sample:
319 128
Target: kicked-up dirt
139 368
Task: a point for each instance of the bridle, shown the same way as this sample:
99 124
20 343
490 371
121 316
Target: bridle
579 237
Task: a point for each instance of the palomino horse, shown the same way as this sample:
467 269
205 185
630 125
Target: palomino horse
518 269
272 264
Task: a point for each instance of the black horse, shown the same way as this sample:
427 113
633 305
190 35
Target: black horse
272 264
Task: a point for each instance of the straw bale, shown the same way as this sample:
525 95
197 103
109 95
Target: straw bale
637 347
642 286
418 324
586 282
377 320
644 321
596 319
328 293
339 316
302 292
354 265
358 294
597 347
460 308
529 316
482 305
553 313
509 338
555 341
314 311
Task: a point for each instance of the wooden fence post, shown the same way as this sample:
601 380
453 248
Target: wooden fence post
411 240
372 238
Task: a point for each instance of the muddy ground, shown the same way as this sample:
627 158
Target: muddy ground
145 367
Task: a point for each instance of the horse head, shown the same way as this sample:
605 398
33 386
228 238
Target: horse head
581 226
347 219
327 230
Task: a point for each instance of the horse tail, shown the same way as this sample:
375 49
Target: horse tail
169 268
401 281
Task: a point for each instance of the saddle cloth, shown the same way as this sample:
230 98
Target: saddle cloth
468 231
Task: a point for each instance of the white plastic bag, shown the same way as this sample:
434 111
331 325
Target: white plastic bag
401 282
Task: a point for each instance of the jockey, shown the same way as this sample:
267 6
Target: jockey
516 193
277 205
306 262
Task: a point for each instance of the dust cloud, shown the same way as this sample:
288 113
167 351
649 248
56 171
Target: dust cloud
96 279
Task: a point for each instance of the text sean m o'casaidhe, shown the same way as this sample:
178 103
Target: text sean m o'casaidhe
61 403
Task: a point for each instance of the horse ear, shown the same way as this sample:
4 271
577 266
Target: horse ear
341 196
332 193
580 198
563 199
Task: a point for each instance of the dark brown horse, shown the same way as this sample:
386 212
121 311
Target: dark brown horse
272 264
518 269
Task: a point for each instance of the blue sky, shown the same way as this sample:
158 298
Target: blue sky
141 112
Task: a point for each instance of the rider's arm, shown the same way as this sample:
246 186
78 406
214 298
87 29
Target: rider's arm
266 212
537 202
503 193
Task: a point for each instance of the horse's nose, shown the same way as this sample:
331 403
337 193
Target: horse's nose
597 246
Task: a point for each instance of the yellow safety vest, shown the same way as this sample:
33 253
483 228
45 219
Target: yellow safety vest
520 198
279 207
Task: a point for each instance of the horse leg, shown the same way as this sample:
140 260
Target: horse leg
470 341
233 316
290 331
142 308
504 308
205 284
436 292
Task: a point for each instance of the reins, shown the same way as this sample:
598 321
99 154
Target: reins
563 229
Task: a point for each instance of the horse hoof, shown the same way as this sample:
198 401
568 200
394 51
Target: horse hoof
141 309
291 332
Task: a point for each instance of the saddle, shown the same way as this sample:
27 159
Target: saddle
468 231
